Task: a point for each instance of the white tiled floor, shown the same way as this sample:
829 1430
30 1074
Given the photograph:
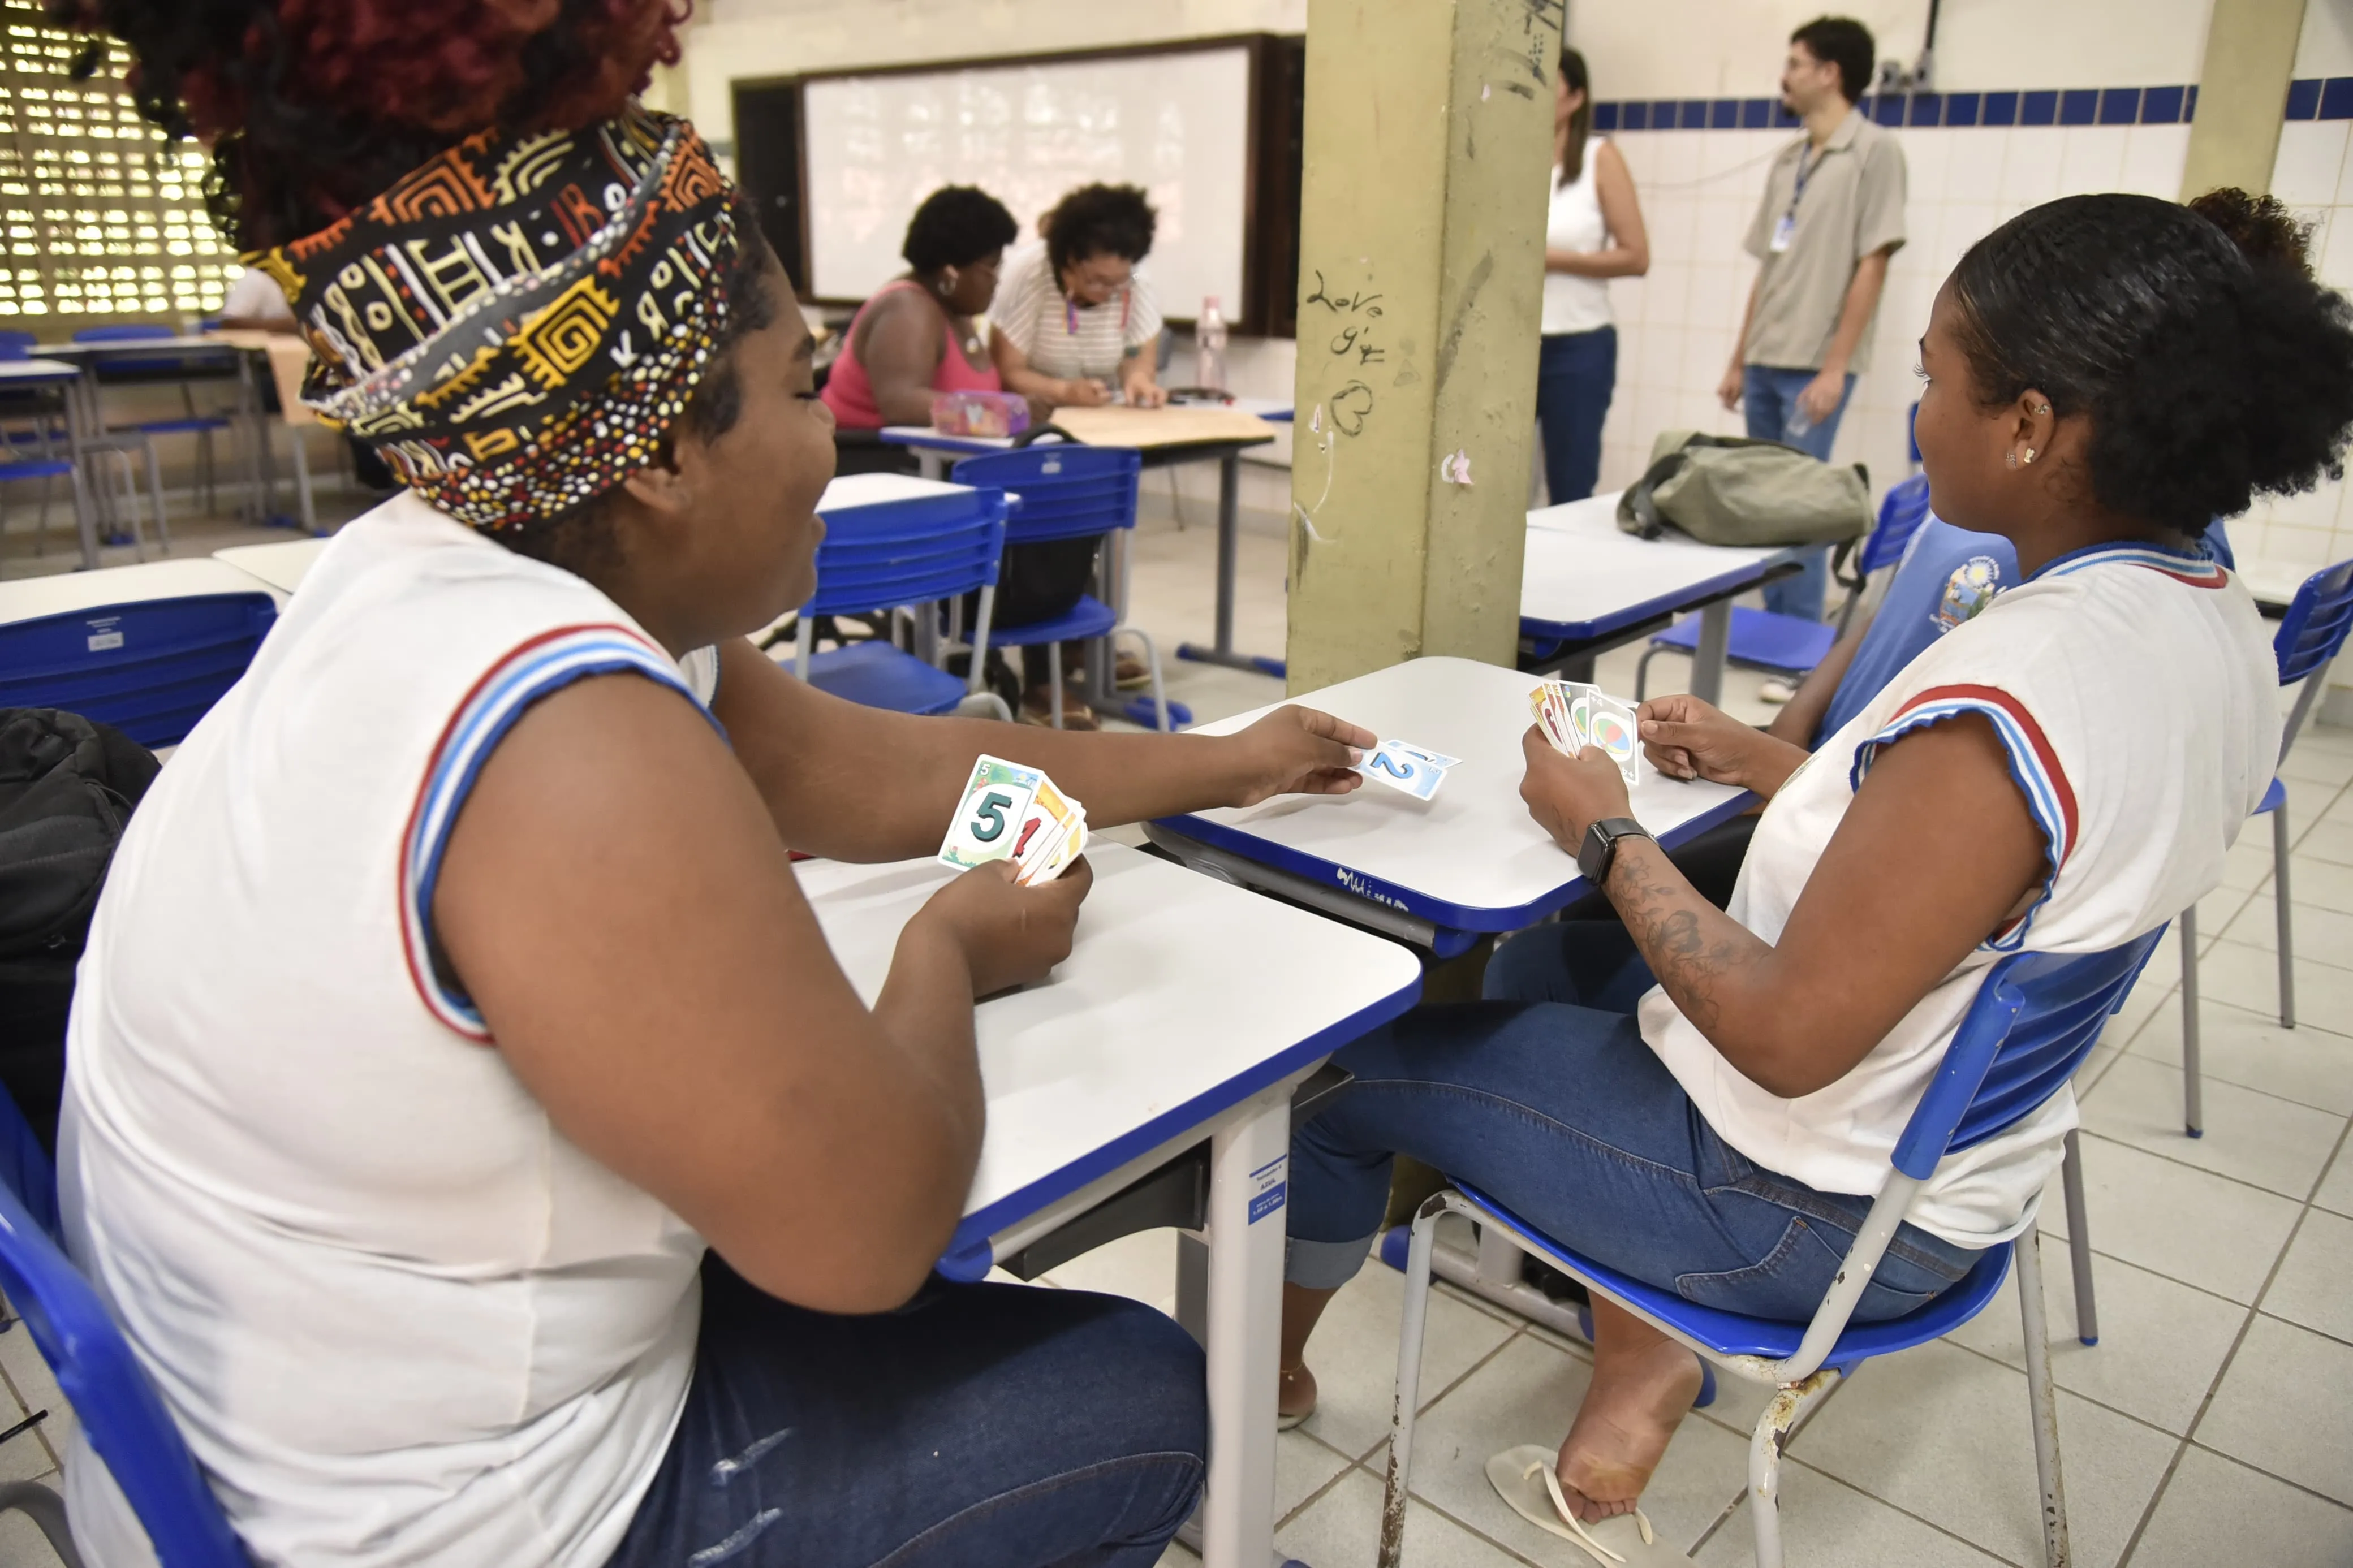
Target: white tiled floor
2213 1423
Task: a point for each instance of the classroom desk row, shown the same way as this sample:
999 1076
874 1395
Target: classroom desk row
1124 1093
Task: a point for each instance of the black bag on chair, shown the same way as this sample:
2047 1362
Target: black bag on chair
68 786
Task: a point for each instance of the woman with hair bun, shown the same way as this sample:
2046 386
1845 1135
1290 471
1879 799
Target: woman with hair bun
466 1120
918 334
1706 1100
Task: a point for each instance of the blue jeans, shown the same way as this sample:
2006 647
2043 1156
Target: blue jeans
978 1426
1575 374
1769 397
1546 1098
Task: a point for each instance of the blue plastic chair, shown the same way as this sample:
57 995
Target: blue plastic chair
2311 634
2035 1018
1071 492
100 1376
911 551
1792 645
151 668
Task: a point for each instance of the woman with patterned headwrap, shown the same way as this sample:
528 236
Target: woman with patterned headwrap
467 1121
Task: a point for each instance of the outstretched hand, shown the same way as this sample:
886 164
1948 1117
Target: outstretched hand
1299 750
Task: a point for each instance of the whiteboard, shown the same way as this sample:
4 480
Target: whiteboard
1176 125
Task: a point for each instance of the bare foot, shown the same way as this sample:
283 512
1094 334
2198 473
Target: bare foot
1621 1431
1294 1397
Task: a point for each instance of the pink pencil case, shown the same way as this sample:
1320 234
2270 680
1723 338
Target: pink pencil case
979 413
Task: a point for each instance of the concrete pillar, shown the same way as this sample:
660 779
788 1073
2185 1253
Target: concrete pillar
2241 95
1428 140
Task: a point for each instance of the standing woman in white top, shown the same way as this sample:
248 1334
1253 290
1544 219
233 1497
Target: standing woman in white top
466 1120
1593 233
1706 1098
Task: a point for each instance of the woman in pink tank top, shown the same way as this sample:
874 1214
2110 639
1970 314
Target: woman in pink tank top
916 337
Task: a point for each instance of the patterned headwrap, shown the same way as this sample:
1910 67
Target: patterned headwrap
516 324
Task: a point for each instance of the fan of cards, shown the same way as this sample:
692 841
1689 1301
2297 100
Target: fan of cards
1574 716
1012 813
1416 769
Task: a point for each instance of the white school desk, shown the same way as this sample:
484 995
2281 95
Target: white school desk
199 357
70 593
1216 435
1438 873
1185 1013
1588 586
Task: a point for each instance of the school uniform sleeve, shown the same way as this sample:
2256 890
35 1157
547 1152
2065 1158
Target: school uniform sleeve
1879 199
1013 312
1144 320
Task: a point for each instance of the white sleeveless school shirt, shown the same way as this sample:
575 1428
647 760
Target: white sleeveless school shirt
1574 222
2136 696
398 1316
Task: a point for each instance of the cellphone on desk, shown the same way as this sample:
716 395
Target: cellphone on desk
1191 395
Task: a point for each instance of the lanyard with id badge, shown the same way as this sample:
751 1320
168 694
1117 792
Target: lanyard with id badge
1785 229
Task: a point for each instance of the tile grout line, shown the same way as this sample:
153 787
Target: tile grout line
2208 1170
2254 1310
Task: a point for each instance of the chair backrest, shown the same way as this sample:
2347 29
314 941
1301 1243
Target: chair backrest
1901 512
16 345
2035 1018
151 668
1068 492
134 332
2313 630
96 1371
908 551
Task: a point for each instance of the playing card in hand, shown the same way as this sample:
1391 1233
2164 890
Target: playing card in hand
1404 767
988 820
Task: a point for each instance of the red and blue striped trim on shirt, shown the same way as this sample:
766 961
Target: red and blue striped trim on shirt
539 667
2033 764
2196 571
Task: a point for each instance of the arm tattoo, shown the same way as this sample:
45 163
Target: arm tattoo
1696 951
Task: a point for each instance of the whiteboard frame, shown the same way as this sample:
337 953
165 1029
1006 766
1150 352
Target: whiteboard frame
1260 242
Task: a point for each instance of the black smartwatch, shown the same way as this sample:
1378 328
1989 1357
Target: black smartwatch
1600 846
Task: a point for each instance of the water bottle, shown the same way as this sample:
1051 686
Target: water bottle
1210 341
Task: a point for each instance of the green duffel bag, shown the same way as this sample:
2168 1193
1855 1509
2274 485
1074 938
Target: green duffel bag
1729 490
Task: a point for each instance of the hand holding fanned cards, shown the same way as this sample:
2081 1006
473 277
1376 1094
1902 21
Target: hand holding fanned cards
1574 716
1014 813
1416 769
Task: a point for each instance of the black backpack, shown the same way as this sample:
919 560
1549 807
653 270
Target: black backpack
67 785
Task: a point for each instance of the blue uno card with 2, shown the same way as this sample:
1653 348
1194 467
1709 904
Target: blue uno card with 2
1403 767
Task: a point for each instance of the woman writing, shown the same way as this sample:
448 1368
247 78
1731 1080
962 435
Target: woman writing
1593 232
920 334
467 1120
1706 1099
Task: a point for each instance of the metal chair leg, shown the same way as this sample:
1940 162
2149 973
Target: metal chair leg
1152 663
1409 1380
1054 678
2079 1241
1642 674
155 489
47 1509
2281 902
1781 1415
2193 1110
2041 1398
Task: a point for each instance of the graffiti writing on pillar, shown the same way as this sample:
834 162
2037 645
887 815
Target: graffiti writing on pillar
1357 325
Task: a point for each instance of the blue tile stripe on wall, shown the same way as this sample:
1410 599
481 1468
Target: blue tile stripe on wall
2308 98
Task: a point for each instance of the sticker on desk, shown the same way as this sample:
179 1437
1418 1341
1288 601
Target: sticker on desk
1268 1187
104 634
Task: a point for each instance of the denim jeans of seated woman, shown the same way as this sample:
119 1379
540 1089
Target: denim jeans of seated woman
977 1427
1544 1097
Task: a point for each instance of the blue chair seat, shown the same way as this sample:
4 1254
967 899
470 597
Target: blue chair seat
877 675
1760 640
1732 1333
186 427
1090 618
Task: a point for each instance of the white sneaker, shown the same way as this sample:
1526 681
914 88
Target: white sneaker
1776 691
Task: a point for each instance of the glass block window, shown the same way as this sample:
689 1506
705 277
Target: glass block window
101 214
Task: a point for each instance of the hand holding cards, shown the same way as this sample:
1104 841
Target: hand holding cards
1416 769
1574 716
1014 813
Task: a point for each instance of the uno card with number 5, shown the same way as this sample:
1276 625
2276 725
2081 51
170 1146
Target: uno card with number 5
988 819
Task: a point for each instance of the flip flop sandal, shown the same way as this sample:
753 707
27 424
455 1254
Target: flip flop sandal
1284 1420
1525 1477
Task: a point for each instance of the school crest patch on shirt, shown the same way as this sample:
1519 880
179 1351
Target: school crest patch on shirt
1970 588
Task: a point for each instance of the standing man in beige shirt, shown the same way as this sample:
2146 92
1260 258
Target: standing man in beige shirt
1832 216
